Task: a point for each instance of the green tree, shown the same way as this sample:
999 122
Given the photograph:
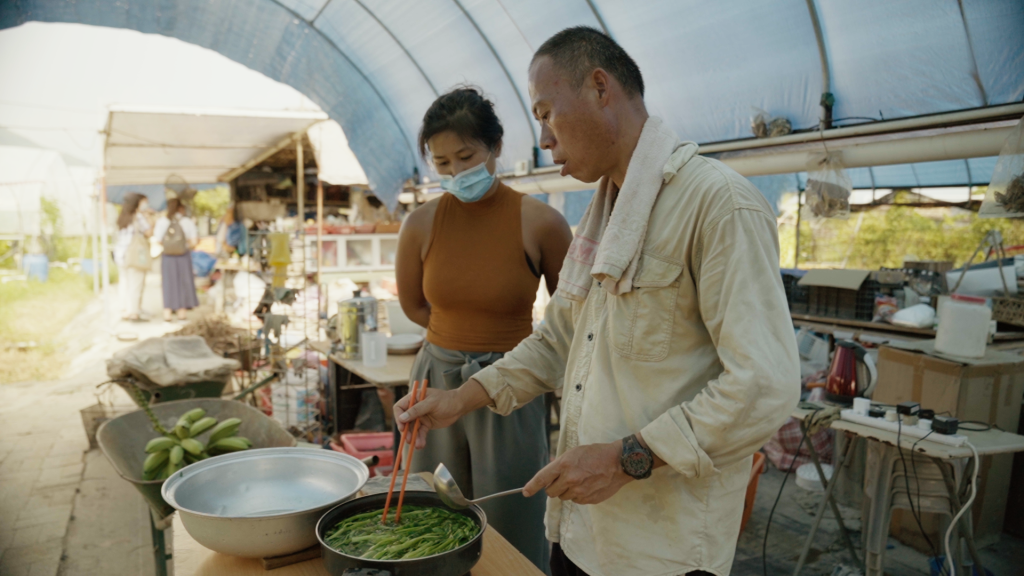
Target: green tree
886 235
212 202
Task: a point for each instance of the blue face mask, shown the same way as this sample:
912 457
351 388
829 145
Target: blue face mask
469 185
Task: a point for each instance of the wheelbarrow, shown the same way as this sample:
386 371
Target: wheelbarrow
123 441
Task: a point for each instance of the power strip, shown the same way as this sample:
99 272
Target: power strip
904 430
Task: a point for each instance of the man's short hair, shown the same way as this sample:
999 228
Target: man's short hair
581 49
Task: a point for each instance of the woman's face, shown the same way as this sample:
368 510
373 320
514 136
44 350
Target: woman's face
143 205
452 155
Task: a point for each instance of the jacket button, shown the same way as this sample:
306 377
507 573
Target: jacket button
579 387
590 336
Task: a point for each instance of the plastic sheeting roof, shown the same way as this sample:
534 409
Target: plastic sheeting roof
376 65
146 145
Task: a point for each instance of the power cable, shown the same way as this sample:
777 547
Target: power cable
906 480
964 508
792 463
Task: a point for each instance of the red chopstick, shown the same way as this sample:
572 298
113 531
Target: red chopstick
412 448
401 446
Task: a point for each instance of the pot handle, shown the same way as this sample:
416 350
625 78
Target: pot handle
371 460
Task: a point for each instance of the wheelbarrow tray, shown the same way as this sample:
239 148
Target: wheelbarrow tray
123 439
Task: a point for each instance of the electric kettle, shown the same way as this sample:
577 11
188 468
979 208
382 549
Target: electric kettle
852 374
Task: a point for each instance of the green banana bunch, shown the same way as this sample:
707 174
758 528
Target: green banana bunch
202 426
154 460
232 444
176 455
181 429
195 414
223 430
192 446
159 443
179 447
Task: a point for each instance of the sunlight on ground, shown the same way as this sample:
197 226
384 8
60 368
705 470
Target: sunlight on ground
38 312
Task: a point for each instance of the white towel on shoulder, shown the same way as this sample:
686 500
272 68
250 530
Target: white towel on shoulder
608 243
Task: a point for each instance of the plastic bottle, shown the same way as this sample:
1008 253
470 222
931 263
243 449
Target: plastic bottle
963 326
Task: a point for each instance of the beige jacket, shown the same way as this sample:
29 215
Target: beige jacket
700 357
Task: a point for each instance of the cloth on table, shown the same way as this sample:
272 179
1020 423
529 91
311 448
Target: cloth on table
170 361
781 448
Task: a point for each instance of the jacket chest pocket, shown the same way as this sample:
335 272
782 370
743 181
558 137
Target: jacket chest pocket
641 320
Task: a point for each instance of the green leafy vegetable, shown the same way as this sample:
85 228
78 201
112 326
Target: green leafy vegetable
424 531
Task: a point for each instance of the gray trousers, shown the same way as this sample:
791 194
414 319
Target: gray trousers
488 453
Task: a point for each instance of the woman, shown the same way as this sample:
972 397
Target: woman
177 234
468 267
131 222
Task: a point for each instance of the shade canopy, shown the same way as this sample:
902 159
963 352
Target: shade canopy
147 145
376 65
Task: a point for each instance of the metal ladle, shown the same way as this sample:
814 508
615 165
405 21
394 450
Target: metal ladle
450 494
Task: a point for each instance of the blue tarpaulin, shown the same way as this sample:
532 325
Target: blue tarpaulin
376 65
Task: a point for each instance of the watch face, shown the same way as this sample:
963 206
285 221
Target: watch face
636 464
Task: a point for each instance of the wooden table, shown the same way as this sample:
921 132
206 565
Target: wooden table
394 373
347 377
824 324
987 443
499 558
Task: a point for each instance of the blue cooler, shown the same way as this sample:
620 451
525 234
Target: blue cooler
37 266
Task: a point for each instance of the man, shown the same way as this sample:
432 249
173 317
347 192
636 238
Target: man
669 330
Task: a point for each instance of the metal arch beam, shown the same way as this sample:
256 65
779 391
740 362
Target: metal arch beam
400 45
369 82
515 89
604 28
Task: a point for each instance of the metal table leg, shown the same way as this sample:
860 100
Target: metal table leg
966 526
160 555
828 501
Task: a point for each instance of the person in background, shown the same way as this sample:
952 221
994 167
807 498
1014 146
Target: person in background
468 268
130 222
178 236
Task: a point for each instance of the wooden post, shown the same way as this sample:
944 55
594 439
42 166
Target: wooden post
300 181
796 253
319 230
104 256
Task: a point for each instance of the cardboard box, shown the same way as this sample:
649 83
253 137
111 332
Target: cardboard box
987 389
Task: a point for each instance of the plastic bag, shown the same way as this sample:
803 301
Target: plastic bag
920 316
1005 195
828 189
759 123
885 307
762 125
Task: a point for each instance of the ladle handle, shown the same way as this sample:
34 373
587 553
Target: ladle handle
497 495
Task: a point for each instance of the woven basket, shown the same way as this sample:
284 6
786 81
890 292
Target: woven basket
1008 310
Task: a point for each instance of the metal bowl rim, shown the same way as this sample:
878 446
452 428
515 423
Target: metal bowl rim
481 515
171 483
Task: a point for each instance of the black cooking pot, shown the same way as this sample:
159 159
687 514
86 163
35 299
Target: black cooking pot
455 562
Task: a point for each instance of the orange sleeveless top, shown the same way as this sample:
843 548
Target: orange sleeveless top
476 276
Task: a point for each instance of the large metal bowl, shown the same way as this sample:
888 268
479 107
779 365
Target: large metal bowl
262 503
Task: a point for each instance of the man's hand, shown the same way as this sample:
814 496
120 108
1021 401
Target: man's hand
586 474
441 408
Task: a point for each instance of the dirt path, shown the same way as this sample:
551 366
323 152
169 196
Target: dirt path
63 510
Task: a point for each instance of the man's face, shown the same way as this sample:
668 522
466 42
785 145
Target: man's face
573 123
